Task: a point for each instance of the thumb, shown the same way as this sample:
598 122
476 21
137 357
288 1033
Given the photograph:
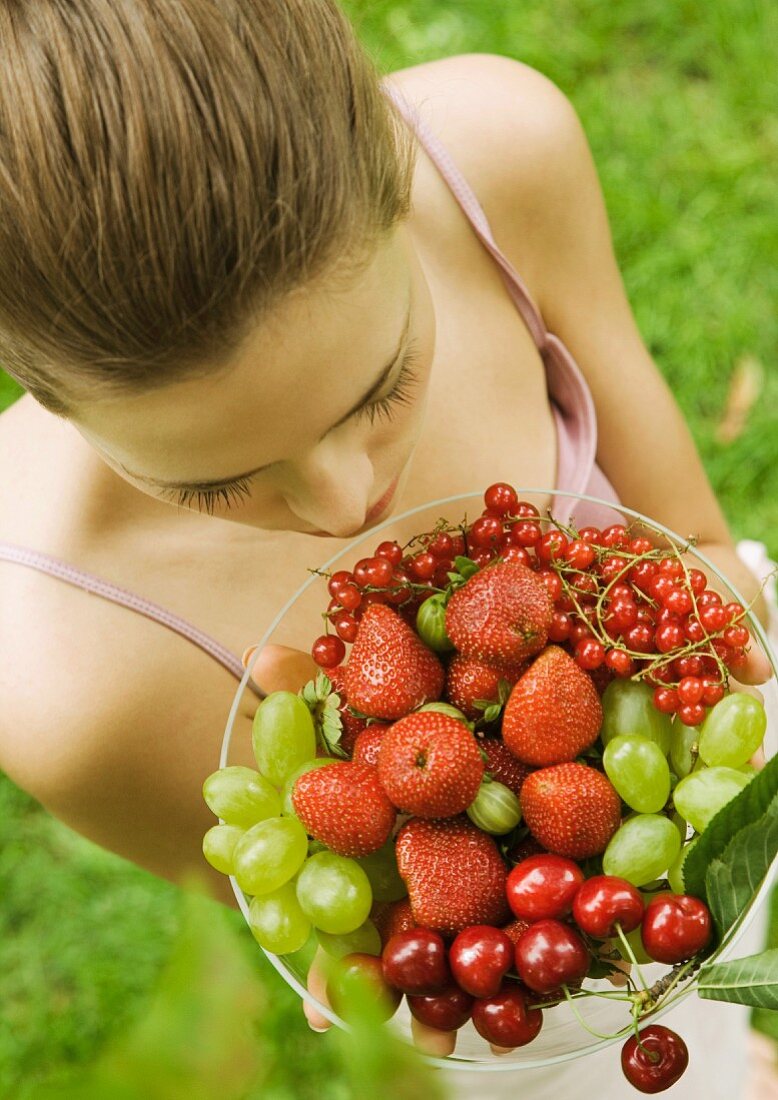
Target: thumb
280 668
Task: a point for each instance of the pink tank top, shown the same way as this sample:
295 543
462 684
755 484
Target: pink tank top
571 404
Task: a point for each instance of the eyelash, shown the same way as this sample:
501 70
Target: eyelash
384 408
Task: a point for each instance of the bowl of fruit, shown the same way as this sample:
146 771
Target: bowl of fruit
522 794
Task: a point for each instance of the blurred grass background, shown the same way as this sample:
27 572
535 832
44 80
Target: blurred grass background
679 106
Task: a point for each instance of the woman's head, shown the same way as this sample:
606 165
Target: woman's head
176 181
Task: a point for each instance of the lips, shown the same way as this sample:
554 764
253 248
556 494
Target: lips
381 505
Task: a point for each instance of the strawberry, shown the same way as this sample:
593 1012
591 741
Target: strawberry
515 929
571 809
390 671
345 807
469 679
553 712
502 613
368 745
390 917
454 874
352 726
429 765
502 765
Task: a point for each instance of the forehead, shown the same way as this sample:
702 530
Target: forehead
295 375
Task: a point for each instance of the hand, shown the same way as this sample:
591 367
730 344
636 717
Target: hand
280 668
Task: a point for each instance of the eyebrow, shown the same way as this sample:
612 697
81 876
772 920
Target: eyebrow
222 482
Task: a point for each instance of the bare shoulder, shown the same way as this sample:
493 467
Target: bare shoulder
514 135
111 722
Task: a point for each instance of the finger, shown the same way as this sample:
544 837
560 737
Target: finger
619 980
280 668
758 759
745 689
317 986
501 1050
757 669
429 1040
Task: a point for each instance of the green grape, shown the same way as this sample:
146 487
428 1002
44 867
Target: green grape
642 849
219 847
334 893
301 960
675 872
733 730
364 939
680 825
431 623
283 735
700 796
286 791
269 854
638 770
495 808
277 921
381 870
681 741
241 796
628 708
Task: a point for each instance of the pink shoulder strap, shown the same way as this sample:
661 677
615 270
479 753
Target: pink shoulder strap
571 401
90 583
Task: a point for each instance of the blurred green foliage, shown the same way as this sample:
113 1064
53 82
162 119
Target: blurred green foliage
680 108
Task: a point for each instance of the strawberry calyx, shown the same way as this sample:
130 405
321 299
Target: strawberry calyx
324 705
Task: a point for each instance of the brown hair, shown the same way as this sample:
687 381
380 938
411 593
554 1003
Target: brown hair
169 171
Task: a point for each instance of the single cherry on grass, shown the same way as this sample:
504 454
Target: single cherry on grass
506 1019
550 954
479 958
675 927
543 886
446 1011
415 961
656 1061
603 902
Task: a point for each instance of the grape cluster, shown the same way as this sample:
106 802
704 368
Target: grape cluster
624 606
295 886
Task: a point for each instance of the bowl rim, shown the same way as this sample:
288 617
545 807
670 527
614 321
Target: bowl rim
736 934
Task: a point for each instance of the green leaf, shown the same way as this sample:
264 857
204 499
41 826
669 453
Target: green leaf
733 878
751 981
466 567
744 809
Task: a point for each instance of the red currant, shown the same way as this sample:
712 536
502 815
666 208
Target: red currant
671 567
691 714
736 636
502 499
423 565
589 653
712 691
697 581
615 537
516 554
526 510
442 545
660 585
339 580
559 629
552 582
666 700
708 598
328 651
392 551
687 666
619 662
713 617
525 533
592 535
678 601
551 547
693 629
612 567
642 574
487 532
690 689
580 554
641 545
640 638
669 636
346 626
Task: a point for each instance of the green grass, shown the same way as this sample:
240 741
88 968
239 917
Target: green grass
680 112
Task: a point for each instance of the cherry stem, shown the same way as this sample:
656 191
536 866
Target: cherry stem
582 1022
630 954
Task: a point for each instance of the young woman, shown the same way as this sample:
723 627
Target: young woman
259 301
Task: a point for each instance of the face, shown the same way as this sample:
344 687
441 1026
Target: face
317 416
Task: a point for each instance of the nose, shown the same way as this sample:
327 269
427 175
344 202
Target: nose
330 488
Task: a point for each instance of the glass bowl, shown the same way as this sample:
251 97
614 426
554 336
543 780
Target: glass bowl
298 623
